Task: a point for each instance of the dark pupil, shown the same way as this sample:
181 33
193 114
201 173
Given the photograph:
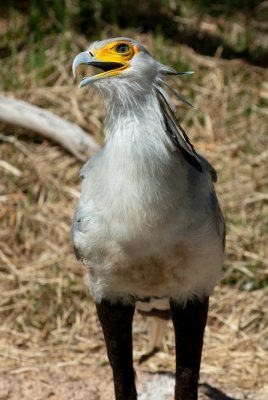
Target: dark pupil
122 48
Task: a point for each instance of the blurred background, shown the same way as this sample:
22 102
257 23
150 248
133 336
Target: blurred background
50 340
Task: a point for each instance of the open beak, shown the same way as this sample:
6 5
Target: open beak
109 68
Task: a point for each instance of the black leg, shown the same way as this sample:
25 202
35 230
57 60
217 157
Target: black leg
116 321
189 324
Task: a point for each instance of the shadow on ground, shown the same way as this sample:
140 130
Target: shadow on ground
206 391
214 393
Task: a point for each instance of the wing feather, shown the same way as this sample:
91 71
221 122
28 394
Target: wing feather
177 133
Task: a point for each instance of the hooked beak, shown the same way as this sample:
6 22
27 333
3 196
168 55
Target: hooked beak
110 68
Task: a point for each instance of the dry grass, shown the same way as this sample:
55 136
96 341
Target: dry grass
47 317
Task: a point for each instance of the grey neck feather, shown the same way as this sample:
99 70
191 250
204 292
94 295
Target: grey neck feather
138 110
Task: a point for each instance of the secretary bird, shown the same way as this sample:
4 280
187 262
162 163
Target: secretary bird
148 226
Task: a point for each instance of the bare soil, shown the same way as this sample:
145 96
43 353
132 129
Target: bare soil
83 382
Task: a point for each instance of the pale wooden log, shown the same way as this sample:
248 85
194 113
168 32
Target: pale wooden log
67 134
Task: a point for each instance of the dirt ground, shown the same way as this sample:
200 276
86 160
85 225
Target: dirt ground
83 382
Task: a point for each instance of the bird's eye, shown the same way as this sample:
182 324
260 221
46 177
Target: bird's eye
122 48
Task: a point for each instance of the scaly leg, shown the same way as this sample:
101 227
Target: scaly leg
116 321
189 324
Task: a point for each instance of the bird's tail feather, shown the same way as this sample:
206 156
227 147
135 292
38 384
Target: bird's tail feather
156 332
157 312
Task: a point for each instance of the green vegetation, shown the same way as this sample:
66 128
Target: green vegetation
237 26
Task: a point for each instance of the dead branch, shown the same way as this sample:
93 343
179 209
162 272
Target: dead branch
67 134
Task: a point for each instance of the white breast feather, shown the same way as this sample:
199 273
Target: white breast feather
144 224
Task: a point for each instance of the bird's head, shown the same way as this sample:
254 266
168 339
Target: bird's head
120 60
125 64
131 77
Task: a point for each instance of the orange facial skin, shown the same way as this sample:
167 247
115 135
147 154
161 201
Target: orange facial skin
112 58
109 53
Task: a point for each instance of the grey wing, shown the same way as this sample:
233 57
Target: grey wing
206 166
76 219
90 163
218 217
73 229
